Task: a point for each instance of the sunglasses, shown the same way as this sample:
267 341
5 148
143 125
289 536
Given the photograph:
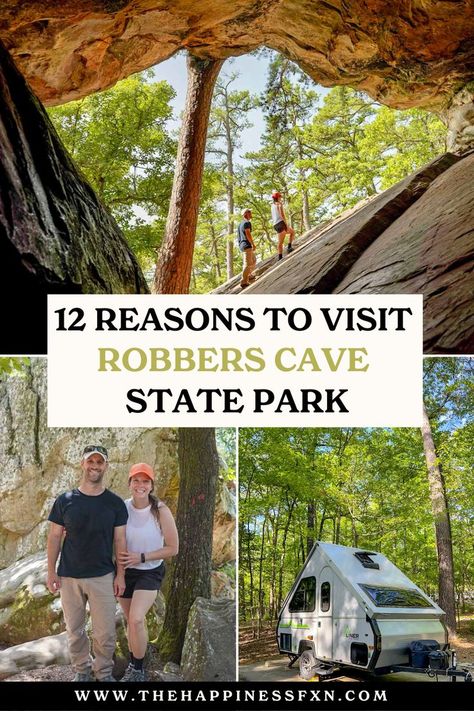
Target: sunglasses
95 448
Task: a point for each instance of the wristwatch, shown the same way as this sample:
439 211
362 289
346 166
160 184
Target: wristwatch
142 556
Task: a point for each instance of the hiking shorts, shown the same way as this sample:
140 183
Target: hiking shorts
149 579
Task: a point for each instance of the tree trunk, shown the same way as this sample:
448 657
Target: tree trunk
306 218
230 200
310 520
191 575
439 506
283 554
173 271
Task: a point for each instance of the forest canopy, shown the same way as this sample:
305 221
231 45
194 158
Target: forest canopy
365 488
324 150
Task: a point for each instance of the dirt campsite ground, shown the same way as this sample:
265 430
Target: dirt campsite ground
259 659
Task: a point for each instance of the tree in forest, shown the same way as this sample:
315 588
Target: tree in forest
209 258
228 119
443 376
356 148
341 172
400 142
120 141
442 525
191 574
288 103
173 270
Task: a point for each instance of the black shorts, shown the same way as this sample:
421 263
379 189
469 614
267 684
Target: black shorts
136 579
280 226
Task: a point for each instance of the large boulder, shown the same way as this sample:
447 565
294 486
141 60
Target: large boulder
429 250
34 655
209 645
403 53
27 609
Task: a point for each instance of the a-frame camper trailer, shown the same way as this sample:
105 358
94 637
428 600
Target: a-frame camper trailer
351 607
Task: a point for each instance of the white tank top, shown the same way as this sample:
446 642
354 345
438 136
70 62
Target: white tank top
143 534
276 216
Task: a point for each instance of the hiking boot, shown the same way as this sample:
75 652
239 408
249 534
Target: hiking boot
244 286
127 672
289 248
83 676
252 278
280 256
132 674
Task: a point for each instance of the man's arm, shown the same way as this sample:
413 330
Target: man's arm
55 537
120 546
248 234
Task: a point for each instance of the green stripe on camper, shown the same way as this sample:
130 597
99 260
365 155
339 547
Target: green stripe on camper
294 626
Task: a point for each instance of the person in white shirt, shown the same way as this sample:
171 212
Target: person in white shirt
151 537
280 224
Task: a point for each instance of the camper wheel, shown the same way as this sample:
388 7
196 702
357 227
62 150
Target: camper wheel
308 664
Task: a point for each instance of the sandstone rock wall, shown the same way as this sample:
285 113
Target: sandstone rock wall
404 52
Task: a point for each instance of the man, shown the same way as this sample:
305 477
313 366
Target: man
247 246
89 522
280 224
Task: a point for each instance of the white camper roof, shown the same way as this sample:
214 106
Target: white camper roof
359 567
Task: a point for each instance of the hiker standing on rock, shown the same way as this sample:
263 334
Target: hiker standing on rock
87 525
151 537
247 247
280 224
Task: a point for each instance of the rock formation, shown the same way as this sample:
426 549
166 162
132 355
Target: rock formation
403 53
209 645
417 237
55 235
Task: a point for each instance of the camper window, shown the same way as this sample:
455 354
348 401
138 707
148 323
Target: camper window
304 599
395 597
325 597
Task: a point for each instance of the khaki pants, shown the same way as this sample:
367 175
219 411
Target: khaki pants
75 592
250 260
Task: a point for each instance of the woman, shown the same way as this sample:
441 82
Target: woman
151 537
280 224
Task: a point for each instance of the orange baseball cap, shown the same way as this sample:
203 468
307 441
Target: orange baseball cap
142 468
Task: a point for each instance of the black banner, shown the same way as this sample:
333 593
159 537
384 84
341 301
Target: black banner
401 696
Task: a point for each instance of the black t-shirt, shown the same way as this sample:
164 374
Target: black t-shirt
242 237
89 523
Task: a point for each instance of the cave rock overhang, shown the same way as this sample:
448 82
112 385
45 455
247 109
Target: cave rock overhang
403 53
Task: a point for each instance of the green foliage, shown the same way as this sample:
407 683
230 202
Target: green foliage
13 366
324 155
119 140
358 487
